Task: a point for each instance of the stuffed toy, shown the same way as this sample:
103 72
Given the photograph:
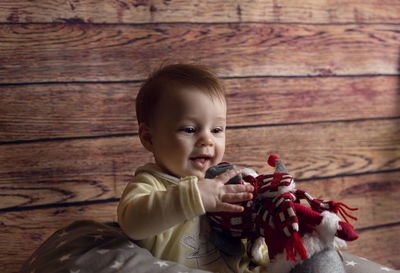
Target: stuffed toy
293 232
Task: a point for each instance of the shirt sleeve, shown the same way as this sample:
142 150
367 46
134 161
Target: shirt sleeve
148 208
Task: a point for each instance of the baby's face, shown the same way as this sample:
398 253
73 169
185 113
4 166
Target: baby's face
188 132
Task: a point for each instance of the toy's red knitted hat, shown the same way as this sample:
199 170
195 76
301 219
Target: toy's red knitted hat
274 161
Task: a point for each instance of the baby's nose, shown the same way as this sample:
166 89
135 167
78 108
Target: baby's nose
206 140
208 143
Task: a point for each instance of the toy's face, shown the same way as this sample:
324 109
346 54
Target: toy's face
188 135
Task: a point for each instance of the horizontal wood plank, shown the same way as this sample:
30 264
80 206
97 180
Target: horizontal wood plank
105 11
372 194
321 149
73 52
31 112
68 171
255 101
67 110
79 170
28 229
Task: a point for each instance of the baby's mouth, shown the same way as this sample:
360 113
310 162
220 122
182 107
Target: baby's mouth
201 162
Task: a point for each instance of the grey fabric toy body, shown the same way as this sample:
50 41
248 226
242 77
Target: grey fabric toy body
327 260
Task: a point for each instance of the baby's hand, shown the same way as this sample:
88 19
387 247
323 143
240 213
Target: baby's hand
216 196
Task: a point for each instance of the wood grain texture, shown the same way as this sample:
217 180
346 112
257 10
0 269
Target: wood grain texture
372 194
28 229
31 112
320 149
255 101
68 171
73 52
127 11
34 174
67 110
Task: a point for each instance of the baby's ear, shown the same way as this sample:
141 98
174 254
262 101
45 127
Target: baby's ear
145 136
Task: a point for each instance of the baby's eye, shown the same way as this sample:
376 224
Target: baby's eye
217 130
189 130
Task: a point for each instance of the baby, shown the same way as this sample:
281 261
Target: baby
181 111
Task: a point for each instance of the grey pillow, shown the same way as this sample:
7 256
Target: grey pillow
356 264
88 246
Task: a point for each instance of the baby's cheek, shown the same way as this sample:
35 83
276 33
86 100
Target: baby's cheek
220 153
217 160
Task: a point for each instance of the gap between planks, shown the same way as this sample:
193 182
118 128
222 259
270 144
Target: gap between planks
222 77
16 142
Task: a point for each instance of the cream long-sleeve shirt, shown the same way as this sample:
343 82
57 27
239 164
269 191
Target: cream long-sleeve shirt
166 216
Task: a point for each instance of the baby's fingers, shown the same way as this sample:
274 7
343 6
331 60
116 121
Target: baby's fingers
236 197
230 207
226 176
238 188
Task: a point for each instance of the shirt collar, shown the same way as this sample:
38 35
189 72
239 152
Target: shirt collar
156 171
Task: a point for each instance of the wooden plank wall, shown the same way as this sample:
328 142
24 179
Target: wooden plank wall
315 81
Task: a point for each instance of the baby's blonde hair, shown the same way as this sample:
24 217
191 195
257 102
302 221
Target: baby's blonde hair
173 77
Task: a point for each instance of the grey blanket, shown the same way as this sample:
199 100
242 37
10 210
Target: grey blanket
92 247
